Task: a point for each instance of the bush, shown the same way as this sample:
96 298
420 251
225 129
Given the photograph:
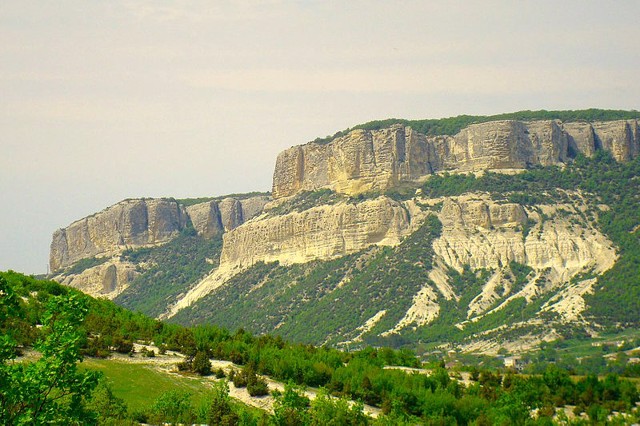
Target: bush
257 387
201 364
122 346
220 411
148 353
172 407
184 366
239 379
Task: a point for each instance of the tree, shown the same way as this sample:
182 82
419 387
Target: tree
109 408
201 364
291 407
220 411
326 410
51 389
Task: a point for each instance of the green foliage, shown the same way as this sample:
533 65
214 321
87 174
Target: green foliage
327 410
50 389
257 386
109 408
292 297
452 125
201 364
432 398
603 181
291 407
173 407
220 411
174 268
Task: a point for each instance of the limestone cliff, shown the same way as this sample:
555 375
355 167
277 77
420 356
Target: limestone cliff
106 280
146 222
358 162
376 160
556 242
214 217
321 232
130 223
480 234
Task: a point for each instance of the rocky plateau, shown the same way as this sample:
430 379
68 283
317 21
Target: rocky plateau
558 243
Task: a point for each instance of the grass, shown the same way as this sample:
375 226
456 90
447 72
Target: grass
141 384
584 347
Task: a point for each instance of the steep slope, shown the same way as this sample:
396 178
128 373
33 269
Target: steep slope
459 267
158 247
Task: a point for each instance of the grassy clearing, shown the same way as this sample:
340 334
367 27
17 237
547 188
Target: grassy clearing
141 384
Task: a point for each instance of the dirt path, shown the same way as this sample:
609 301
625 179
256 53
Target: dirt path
167 364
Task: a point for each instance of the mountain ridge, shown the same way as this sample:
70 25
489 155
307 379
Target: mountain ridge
361 198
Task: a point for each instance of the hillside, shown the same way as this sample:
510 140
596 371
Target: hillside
83 354
487 233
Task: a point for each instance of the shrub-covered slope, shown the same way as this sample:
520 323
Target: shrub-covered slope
365 297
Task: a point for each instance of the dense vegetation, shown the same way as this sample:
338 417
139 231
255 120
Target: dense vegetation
50 389
170 270
452 125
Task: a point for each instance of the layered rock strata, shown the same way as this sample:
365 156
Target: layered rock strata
481 234
376 160
321 232
130 223
146 222
106 280
214 217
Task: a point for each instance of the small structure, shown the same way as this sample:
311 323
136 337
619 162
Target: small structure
514 362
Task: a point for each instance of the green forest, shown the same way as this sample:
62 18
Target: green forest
65 327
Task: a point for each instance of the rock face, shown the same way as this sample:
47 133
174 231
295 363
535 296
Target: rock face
485 235
377 160
558 244
358 162
145 222
215 217
321 232
130 223
106 280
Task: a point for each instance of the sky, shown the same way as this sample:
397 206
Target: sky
106 100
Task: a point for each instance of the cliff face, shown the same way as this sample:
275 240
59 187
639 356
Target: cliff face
377 160
358 162
557 246
214 217
555 243
146 222
477 232
482 234
106 280
321 232
130 223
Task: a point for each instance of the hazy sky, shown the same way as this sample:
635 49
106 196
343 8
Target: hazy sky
106 100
